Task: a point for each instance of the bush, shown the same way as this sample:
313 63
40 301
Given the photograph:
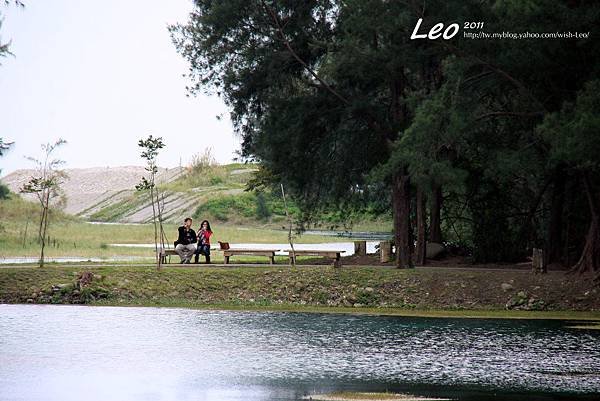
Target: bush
229 207
248 205
4 191
262 210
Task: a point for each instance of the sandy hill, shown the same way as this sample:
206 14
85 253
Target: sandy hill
87 187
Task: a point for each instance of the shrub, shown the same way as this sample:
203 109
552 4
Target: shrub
262 210
4 191
228 207
248 205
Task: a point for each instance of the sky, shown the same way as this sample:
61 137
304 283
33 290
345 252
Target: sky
102 75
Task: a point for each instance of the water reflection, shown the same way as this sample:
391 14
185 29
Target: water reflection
65 352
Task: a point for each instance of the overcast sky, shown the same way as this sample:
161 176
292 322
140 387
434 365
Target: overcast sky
102 75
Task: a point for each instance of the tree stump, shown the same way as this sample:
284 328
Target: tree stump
385 251
538 264
360 248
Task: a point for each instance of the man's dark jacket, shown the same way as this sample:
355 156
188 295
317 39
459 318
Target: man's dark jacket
186 238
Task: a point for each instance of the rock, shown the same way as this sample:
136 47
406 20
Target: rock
29 300
513 303
369 289
506 287
358 305
59 287
434 250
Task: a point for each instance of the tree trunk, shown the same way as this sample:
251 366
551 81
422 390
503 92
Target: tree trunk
401 211
421 237
156 252
41 197
46 206
555 229
435 228
590 257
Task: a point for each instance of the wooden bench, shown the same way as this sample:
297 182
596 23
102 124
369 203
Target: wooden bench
335 255
167 252
270 253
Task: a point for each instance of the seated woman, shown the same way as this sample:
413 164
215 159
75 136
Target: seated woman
204 233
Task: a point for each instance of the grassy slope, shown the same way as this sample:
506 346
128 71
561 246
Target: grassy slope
70 236
309 288
221 187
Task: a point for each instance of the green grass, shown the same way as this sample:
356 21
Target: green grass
71 236
78 238
203 176
246 207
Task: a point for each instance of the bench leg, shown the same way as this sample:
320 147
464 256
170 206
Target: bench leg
226 260
337 262
272 259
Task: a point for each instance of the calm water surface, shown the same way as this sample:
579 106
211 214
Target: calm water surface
104 353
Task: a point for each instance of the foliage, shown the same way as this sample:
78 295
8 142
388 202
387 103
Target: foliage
244 207
4 146
337 104
262 210
4 191
4 50
150 147
573 131
4 47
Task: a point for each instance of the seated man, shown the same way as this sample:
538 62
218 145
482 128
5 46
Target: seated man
185 246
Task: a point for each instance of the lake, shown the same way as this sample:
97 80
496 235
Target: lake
113 353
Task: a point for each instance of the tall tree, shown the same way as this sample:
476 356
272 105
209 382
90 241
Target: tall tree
327 94
318 89
573 134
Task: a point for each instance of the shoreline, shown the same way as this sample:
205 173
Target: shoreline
573 320
576 316
356 290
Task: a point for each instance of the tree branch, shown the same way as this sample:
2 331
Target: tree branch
495 69
511 113
287 44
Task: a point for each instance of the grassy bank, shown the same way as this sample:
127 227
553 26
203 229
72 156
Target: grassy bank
434 292
70 236
78 238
